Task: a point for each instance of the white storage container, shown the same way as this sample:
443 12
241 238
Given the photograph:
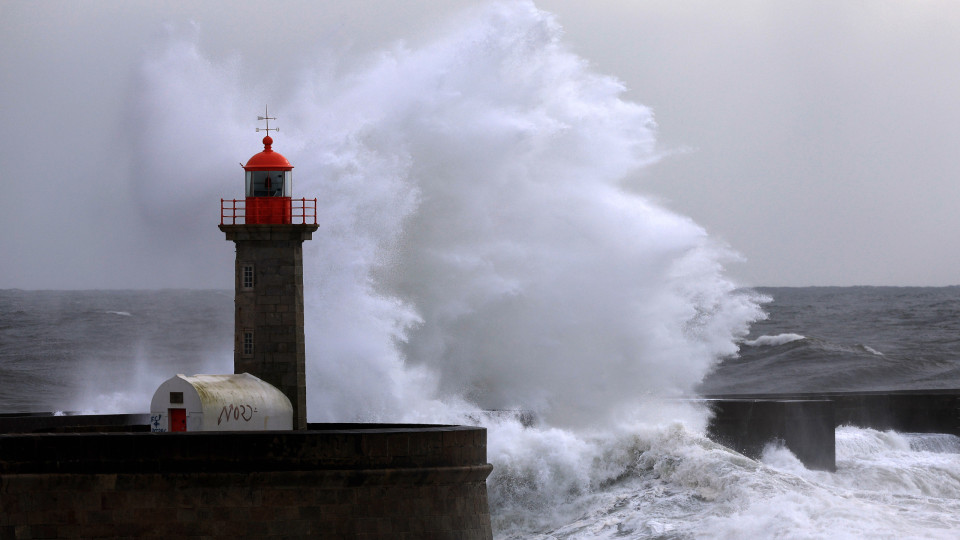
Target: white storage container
219 403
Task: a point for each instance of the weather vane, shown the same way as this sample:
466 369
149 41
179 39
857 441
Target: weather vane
268 118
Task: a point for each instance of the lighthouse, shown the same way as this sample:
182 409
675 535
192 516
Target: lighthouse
269 227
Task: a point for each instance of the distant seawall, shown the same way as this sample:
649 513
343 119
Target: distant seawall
806 422
330 481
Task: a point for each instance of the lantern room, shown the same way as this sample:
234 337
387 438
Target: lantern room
268 190
269 178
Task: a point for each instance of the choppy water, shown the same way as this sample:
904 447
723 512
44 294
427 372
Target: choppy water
849 338
108 350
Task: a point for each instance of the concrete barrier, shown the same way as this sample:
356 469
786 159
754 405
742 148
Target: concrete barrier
909 411
806 422
46 422
806 427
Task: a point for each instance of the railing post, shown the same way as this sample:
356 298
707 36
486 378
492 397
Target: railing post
231 211
305 211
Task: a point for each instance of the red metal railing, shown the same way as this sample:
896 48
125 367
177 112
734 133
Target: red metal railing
234 211
229 210
307 211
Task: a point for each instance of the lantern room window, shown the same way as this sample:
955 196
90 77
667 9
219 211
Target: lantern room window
269 183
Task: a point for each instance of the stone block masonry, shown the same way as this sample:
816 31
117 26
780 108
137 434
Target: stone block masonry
358 481
268 336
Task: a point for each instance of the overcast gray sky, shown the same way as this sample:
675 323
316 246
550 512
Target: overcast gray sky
819 139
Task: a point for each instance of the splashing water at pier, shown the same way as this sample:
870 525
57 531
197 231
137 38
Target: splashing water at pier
479 249
477 243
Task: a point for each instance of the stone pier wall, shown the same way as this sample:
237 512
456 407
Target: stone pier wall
341 481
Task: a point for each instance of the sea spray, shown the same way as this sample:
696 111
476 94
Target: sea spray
478 237
477 247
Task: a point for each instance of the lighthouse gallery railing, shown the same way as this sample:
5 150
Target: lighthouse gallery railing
234 211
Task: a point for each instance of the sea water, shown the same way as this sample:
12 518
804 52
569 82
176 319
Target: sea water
480 247
106 351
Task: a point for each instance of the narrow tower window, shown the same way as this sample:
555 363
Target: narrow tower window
247 276
248 342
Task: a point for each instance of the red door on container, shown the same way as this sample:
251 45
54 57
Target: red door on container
178 419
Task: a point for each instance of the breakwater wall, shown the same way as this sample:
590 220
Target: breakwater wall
806 427
806 422
329 481
72 422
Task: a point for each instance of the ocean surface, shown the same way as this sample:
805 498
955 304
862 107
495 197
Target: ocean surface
106 351
821 339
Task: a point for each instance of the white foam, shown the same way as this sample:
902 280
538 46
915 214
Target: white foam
773 341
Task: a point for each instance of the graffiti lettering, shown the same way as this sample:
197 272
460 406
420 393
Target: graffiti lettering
236 412
155 423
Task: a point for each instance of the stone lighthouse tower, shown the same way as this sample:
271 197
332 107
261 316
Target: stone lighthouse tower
269 227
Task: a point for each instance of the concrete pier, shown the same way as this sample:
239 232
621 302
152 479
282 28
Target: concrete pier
328 481
72 422
806 427
806 422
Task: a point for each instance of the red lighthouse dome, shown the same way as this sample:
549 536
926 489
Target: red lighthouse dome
268 160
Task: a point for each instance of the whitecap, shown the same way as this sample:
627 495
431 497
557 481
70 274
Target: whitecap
773 341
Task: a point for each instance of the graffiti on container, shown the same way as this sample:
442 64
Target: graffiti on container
236 412
155 423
